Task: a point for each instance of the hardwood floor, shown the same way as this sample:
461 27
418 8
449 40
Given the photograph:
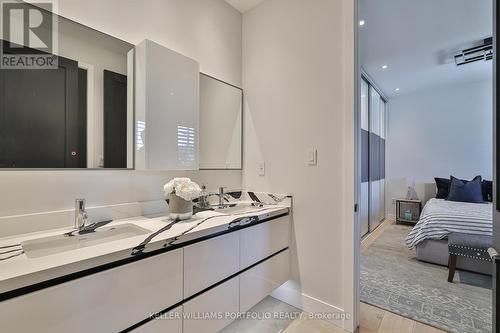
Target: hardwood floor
373 320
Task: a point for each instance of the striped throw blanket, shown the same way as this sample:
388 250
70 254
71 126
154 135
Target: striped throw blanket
440 218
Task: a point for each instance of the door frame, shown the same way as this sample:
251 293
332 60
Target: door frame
496 164
355 306
91 163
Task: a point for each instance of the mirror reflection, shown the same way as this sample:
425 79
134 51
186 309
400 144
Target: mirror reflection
75 115
221 112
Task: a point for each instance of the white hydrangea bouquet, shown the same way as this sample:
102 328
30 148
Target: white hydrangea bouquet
179 193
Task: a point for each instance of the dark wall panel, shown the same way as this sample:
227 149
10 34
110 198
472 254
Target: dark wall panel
382 158
374 157
365 156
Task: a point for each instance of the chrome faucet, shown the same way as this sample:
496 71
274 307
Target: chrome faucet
203 201
221 197
80 214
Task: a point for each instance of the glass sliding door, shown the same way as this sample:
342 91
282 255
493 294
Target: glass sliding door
372 203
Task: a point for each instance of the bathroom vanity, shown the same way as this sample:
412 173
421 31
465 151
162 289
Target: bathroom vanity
163 280
133 109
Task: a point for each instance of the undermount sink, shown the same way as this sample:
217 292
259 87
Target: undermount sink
41 247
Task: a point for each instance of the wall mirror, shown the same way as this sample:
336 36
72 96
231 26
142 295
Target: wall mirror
221 116
76 115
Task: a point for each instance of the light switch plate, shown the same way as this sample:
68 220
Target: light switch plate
262 168
312 157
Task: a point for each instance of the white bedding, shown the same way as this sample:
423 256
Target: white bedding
441 217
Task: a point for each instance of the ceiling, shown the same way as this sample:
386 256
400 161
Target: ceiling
244 5
417 41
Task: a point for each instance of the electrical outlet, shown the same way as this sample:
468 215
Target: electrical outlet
393 201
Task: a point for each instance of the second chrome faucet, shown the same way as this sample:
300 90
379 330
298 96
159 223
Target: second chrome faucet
204 203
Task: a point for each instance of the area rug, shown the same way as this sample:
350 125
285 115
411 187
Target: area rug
394 280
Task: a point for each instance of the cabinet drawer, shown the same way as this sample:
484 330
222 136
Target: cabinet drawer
261 280
216 302
263 240
170 322
109 301
209 262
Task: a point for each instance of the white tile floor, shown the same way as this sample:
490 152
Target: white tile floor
373 320
265 313
281 318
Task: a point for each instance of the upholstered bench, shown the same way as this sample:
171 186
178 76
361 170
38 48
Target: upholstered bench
469 246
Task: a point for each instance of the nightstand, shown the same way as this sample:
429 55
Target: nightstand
408 211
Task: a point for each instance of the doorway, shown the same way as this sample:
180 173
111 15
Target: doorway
430 64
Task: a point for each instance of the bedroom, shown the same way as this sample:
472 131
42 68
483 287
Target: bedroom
426 134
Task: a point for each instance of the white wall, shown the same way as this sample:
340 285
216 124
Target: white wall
298 62
206 30
437 133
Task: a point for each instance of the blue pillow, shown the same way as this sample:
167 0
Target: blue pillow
466 191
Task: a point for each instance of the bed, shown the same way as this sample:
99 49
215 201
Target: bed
439 218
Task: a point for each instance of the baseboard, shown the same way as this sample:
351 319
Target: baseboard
315 307
391 217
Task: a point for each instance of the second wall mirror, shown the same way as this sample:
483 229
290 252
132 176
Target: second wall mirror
221 123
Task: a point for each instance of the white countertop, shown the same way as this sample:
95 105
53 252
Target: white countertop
21 271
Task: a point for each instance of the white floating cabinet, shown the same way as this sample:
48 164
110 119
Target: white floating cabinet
166 109
210 261
261 241
109 301
259 281
207 312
